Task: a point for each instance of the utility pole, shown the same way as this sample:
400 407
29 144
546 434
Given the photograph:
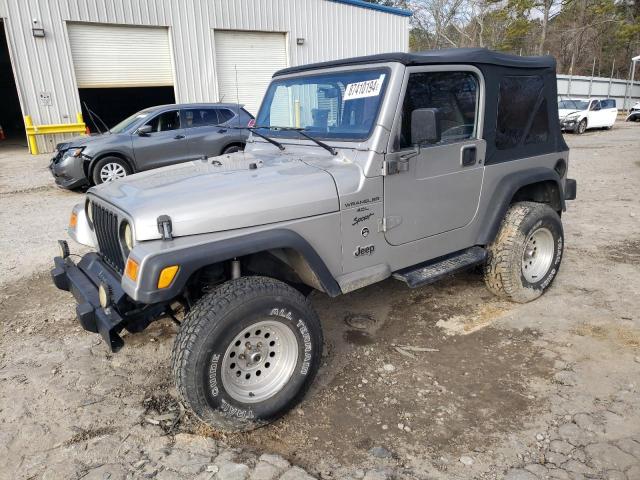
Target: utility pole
573 57
593 70
613 66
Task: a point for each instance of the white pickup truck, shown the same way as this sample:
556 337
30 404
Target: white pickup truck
577 115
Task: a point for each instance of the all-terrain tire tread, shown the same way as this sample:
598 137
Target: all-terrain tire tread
498 268
213 304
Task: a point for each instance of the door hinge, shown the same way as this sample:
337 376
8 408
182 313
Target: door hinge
398 162
387 223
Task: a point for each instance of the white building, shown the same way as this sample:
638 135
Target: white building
119 56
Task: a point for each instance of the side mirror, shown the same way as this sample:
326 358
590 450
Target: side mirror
144 130
425 126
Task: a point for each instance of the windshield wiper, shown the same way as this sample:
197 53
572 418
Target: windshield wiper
268 139
253 130
302 132
328 148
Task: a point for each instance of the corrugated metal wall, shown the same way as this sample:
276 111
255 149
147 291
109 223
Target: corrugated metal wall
599 87
331 30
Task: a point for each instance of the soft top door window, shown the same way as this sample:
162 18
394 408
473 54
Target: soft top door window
453 94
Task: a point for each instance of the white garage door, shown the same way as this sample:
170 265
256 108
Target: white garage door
255 56
120 56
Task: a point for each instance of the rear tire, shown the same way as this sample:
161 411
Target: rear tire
525 256
108 169
247 353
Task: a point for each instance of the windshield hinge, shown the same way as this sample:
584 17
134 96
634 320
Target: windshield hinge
387 223
164 227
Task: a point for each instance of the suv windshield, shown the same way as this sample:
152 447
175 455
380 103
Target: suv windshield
572 105
338 105
127 122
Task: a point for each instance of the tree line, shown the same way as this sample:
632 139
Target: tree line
584 36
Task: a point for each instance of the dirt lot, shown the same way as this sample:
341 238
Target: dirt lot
549 389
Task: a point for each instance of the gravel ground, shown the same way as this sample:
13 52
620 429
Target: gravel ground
549 389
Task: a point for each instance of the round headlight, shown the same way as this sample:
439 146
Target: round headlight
128 236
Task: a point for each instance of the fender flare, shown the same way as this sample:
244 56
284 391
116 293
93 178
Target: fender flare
503 194
192 258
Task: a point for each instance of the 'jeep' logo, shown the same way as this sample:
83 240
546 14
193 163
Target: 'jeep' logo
366 250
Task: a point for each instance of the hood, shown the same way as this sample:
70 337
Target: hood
564 112
95 140
222 193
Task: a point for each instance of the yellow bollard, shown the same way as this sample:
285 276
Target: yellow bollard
31 138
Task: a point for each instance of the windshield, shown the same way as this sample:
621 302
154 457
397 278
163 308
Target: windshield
127 122
572 105
339 105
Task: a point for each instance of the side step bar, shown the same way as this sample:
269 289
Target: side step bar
434 270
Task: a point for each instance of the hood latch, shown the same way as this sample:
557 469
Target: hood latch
164 227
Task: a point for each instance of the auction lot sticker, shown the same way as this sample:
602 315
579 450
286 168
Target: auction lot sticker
368 88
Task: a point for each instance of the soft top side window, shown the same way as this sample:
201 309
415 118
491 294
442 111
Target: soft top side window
453 94
522 112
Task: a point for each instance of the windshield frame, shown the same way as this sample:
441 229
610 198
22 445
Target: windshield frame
292 135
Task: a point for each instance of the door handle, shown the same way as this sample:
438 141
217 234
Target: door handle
222 130
469 155
178 137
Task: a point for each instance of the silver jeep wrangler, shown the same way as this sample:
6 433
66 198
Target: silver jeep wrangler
412 166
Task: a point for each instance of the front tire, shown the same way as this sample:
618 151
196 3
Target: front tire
525 256
108 169
247 353
582 126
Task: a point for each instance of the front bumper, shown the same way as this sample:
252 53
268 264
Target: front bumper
569 125
68 172
83 280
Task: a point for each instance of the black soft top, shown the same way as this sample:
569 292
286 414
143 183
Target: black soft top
495 67
468 56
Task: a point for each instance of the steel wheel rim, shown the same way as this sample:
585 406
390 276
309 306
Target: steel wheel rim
259 361
537 256
112 171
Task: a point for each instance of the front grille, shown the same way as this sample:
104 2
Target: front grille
107 229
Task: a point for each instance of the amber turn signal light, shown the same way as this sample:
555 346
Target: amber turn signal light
73 220
131 269
167 275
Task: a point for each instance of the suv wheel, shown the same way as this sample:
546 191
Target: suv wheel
582 126
247 353
526 254
108 169
232 149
